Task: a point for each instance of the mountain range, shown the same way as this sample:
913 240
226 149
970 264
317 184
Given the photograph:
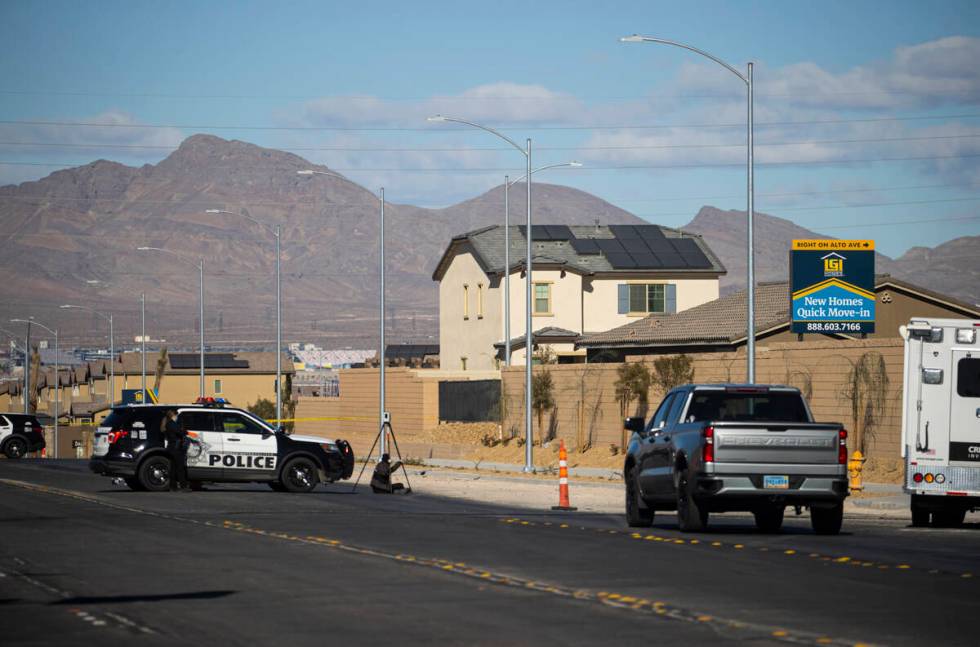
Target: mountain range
72 237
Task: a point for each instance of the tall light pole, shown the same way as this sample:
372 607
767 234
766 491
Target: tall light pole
383 418
276 231
200 267
143 343
750 278
529 286
57 377
507 185
112 348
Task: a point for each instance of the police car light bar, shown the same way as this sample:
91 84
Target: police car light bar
211 402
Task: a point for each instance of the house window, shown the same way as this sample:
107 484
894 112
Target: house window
647 298
542 298
462 360
74 390
479 301
217 386
466 301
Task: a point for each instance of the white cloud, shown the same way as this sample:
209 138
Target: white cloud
935 73
501 102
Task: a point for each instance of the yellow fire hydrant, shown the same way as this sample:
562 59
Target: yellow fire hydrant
854 467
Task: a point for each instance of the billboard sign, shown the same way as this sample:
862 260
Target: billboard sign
832 286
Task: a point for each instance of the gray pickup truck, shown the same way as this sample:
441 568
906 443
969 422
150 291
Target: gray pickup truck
730 447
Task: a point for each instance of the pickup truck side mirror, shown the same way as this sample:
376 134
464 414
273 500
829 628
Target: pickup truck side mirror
634 424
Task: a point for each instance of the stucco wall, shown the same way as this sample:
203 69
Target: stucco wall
463 332
602 298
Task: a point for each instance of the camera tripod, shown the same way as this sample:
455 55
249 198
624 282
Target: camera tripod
385 427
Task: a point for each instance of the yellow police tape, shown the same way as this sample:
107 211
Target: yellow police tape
341 418
274 421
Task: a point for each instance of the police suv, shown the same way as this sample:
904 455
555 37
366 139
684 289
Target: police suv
20 433
225 445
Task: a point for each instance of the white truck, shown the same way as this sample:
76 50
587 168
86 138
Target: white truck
941 419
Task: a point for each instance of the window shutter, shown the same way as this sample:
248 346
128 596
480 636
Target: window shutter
624 298
671 300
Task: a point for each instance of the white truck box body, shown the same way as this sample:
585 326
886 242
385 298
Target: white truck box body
941 407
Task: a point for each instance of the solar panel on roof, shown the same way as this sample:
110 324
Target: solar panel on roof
637 245
689 249
646 260
211 360
610 245
672 259
538 232
585 246
650 232
621 260
559 232
624 231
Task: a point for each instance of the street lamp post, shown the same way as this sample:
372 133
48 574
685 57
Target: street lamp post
112 348
383 417
57 377
276 231
529 286
143 342
507 185
747 79
200 267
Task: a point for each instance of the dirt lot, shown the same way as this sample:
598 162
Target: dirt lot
489 447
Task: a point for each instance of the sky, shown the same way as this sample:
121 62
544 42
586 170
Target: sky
867 113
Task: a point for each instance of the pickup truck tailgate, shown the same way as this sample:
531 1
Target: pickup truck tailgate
796 443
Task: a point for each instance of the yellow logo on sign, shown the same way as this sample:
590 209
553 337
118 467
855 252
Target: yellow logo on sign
833 264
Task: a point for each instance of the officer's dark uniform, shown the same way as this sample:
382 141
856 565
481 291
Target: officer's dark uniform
177 448
381 479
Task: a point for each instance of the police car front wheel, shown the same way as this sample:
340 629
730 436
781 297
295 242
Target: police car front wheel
299 475
154 474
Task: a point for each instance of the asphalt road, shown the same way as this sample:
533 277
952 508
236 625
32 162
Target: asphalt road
82 560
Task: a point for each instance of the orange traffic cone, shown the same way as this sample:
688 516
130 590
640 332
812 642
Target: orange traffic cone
563 503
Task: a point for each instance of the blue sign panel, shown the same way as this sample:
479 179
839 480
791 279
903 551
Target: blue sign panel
136 396
832 286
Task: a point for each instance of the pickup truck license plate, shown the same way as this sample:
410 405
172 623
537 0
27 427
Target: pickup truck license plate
775 482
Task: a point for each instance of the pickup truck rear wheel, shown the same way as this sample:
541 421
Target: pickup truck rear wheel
769 519
827 521
691 517
948 518
638 515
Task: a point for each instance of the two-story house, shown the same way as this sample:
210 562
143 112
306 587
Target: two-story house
586 279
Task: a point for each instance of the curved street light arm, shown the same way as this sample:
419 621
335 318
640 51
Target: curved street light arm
271 228
36 323
67 306
636 38
171 252
486 128
572 164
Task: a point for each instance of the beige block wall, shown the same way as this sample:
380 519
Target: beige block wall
412 398
587 411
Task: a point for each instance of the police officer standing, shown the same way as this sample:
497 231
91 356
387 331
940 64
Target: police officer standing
177 448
